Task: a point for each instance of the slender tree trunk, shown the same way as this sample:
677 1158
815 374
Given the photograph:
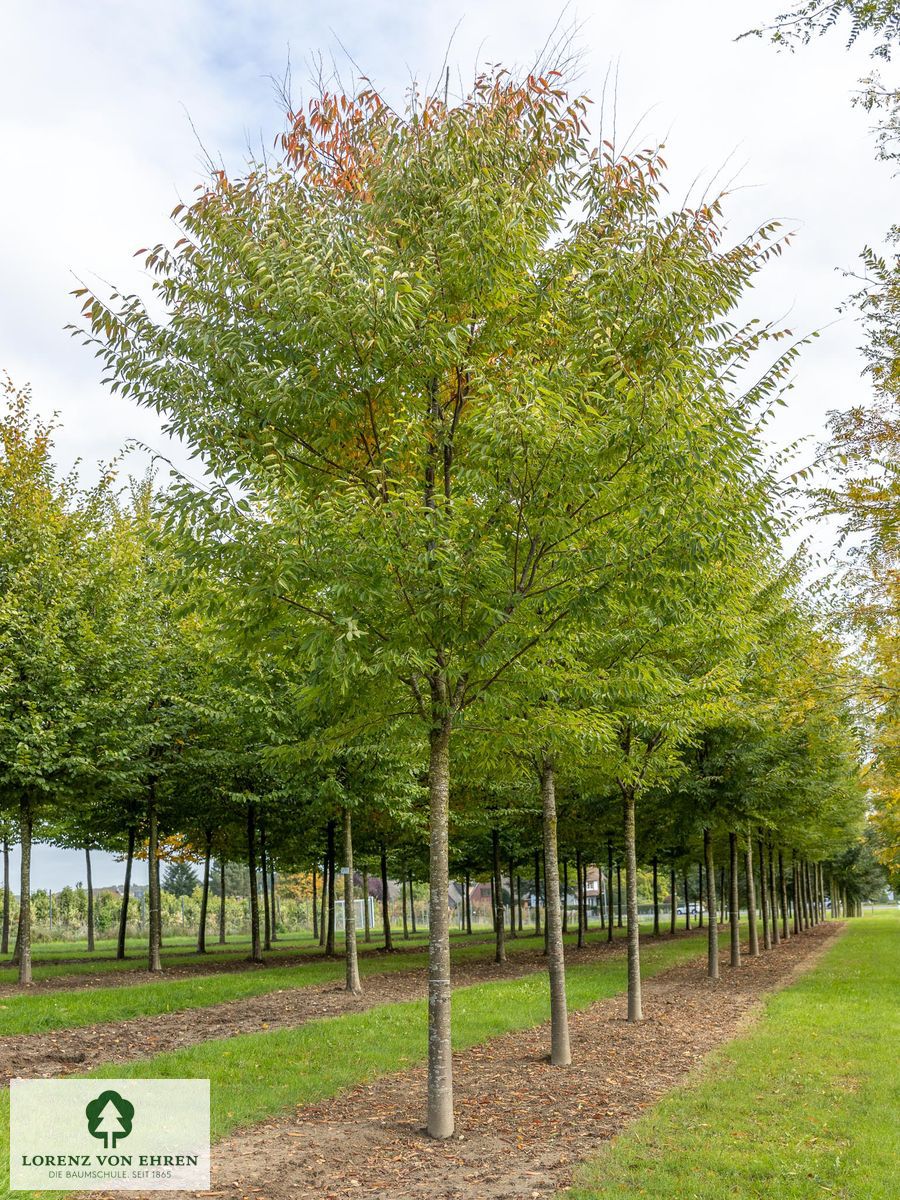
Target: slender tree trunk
385 910
497 887
618 895
722 891
584 896
537 893
578 907
403 905
512 900
635 1007
674 903
782 887
773 905
519 901
255 944
764 895
126 895
687 903
264 871
367 931
155 916
565 889
329 936
440 1062
601 896
655 897
352 980
4 930
323 918
734 901
560 1053
798 921
204 895
412 905
273 901
23 941
699 895
751 898
222 902
712 932
90 900
609 891
468 904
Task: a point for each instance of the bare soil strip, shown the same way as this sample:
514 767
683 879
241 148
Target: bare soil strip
522 1124
68 1051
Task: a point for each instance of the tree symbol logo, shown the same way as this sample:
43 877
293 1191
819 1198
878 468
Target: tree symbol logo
109 1117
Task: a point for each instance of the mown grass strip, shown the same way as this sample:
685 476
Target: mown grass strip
804 1106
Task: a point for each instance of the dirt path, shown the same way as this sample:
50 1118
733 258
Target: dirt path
67 1051
522 1125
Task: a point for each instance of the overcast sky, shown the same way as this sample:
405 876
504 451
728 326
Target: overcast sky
99 103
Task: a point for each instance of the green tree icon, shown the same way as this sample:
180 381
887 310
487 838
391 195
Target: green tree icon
109 1117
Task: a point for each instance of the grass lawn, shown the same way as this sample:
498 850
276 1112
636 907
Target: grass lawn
804 1106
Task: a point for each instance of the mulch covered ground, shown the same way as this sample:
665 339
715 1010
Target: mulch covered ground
522 1124
68 1051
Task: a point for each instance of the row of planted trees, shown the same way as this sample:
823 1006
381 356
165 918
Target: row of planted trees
485 560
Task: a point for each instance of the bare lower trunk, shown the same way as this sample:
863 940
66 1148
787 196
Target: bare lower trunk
712 932
560 1053
440 1062
323 920
537 893
385 912
764 895
773 902
782 887
403 906
367 930
412 905
699 895
655 898
519 901
23 941
255 945
565 889
4 930
751 898
264 872
619 922
329 936
635 1007
609 891
734 901
512 899
795 888
221 901
468 903
497 886
90 899
674 904
204 895
352 976
578 905
687 904
154 922
126 895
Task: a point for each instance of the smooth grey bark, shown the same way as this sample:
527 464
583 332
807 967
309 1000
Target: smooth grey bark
712 932
90 900
674 903
204 894
782 888
23 941
655 897
497 890
795 889
4 930
367 932
221 901
126 895
734 901
619 922
763 897
537 893
352 964
773 903
412 905
403 906
609 891
699 895
273 899
751 898
519 901
329 935
635 1006
722 892
255 945
560 1051
154 922
385 911
440 1055
264 872
323 899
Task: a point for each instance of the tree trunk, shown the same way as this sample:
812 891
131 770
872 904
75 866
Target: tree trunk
273 901
673 905
255 945
352 979
221 901
512 899
578 908
734 901
635 1007
323 919
126 895
751 899
687 903
497 889
560 1053
519 900
584 898
537 893
699 895
618 895
468 904
440 1061
764 895
655 897
722 890
90 900
264 871
23 941
412 905
329 936
609 891
155 916
798 920
4 930
403 905
204 895
367 931
773 905
712 932
782 887
385 912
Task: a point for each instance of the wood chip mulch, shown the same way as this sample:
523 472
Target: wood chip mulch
522 1125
